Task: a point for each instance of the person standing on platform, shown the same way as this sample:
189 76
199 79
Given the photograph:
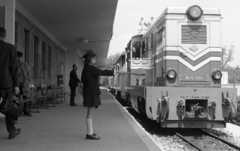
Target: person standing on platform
73 83
9 80
24 79
90 89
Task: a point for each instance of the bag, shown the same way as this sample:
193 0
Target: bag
11 106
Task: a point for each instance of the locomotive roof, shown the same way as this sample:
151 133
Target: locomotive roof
122 54
182 11
137 36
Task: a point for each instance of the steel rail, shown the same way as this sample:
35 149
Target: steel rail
224 141
188 141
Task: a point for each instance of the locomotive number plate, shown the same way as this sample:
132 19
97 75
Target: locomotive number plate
200 78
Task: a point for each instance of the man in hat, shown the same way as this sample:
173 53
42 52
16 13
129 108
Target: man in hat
9 80
73 83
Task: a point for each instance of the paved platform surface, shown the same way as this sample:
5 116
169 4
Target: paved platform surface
63 128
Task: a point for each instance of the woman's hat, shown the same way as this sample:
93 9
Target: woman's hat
88 53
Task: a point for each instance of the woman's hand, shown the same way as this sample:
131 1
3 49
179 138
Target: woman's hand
80 88
81 91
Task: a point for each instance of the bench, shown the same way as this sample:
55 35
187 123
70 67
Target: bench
42 98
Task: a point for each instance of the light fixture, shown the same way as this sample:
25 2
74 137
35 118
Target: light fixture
217 74
171 73
83 40
194 12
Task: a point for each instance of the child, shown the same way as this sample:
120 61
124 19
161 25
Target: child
90 89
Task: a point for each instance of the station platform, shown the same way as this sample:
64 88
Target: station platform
63 128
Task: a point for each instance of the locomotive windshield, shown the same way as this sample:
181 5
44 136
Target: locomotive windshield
136 48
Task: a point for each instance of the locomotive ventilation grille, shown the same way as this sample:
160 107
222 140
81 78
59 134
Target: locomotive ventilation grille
194 34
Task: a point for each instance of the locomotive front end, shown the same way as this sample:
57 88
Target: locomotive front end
187 68
190 107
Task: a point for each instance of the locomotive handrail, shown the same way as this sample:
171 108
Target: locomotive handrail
119 72
136 73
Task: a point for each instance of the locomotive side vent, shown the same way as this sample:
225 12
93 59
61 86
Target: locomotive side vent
194 34
196 108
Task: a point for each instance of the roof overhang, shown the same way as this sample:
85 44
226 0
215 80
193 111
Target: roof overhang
72 23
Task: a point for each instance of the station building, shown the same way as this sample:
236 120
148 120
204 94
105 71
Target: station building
53 35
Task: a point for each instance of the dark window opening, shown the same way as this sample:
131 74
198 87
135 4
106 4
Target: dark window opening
43 59
49 61
36 42
27 43
136 50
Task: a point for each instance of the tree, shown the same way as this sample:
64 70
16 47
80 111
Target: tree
233 74
111 60
227 56
144 25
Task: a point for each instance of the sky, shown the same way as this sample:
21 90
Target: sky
130 12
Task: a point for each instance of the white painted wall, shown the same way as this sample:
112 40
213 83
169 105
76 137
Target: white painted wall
224 79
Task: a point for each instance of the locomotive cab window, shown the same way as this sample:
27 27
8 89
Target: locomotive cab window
136 48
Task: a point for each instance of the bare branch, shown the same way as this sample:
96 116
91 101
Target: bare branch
227 55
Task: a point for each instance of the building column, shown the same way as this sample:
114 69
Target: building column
7 19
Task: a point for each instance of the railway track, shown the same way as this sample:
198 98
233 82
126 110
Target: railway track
187 139
207 141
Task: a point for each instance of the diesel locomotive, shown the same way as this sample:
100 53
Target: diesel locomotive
173 71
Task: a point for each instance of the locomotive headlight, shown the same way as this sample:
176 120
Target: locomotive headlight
217 74
171 73
194 12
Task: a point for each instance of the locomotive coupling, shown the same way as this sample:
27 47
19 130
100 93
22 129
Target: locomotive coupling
212 103
181 102
212 106
165 99
198 110
163 108
227 101
181 107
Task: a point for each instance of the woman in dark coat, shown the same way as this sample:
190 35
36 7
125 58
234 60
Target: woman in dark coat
90 90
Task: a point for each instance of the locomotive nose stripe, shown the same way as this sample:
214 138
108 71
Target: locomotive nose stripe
193 56
193 68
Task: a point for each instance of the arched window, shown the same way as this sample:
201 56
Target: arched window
136 49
